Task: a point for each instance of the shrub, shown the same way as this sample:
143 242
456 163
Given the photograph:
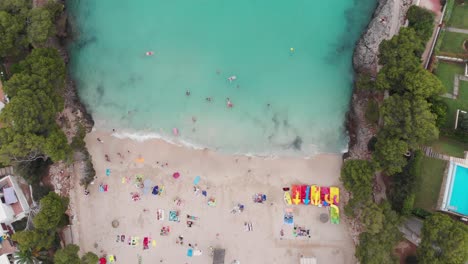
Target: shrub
32 171
372 112
422 20
421 213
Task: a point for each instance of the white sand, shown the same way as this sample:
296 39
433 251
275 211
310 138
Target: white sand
224 177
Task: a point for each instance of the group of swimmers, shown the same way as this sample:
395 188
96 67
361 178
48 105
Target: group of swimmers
229 103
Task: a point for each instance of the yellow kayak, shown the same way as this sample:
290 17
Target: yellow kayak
287 198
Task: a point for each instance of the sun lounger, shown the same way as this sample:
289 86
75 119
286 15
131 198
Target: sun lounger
145 243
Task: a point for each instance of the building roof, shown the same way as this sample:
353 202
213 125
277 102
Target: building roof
10 196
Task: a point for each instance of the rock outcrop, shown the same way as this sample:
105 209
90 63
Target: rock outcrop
386 21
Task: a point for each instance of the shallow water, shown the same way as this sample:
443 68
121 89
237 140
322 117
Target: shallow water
286 102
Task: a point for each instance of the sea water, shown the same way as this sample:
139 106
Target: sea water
291 59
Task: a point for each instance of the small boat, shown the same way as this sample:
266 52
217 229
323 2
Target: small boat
149 53
232 78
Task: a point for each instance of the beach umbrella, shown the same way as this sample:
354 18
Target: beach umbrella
115 223
323 218
176 175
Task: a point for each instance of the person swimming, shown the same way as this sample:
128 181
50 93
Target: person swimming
232 78
149 53
208 99
229 103
187 93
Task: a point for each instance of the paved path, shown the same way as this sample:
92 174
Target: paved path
457 30
428 152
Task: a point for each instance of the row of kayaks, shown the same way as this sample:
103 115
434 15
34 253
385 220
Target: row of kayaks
312 194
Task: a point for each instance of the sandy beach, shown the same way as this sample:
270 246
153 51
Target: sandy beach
229 180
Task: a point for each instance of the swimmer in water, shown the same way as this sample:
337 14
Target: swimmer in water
208 99
187 93
229 103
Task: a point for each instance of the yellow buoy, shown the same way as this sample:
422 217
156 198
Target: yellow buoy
291 49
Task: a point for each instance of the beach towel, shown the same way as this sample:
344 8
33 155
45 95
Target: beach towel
102 261
108 172
204 193
145 243
196 180
174 216
189 252
103 188
146 186
155 190
153 243
111 258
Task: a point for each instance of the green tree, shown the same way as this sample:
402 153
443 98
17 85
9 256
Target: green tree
54 7
421 83
34 241
67 255
443 241
29 112
15 6
372 217
47 63
56 145
20 147
89 258
422 21
389 154
25 257
53 208
40 27
378 248
399 55
410 119
23 81
357 176
11 28
439 109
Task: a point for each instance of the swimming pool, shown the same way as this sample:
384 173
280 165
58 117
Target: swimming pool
456 197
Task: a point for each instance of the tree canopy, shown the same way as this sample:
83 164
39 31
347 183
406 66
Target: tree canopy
47 63
89 258
29 112
389 154
52 211
357 176
34 240
40 27
67 255
422 21
410 119
11 28
443 241
378 248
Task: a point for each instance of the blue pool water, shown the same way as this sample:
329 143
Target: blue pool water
459 196
286 102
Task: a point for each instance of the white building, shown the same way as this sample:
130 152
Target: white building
13 207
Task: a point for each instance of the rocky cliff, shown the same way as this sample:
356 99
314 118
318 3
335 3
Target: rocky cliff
386 21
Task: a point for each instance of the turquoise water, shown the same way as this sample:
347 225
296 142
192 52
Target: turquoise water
458 198
285 102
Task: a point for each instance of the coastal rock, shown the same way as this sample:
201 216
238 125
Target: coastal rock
386 21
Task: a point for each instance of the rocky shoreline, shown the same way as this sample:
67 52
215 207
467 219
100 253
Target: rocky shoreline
386 21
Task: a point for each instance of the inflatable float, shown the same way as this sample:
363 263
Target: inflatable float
334 214
296 194
315 195
335 195
287 198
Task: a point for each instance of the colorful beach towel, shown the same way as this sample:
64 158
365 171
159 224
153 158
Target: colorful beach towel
108 172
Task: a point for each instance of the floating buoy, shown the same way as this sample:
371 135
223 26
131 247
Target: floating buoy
291 49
